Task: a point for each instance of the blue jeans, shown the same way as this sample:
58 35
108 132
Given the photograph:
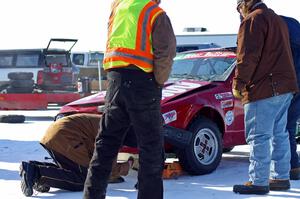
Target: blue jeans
293 115
266 133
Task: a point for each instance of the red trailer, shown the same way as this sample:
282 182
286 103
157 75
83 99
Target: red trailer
36 101
54 79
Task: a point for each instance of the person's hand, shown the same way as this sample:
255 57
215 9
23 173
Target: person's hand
237 94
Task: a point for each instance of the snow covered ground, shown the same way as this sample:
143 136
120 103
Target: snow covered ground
20 142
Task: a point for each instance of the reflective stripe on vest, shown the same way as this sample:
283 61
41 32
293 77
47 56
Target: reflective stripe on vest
136 50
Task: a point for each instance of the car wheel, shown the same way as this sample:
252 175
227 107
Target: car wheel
204 153
12 118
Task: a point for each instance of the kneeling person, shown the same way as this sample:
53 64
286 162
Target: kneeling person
70 143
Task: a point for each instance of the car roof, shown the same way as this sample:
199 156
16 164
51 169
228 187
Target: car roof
231 49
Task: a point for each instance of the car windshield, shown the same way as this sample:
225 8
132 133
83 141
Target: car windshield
27 60
205 66
57 59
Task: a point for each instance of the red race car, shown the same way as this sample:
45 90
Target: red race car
202 118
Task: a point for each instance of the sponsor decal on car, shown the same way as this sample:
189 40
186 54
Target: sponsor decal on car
226 103
224 95
229 118
205 55
170 116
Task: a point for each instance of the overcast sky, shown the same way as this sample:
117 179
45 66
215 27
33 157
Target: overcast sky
31 23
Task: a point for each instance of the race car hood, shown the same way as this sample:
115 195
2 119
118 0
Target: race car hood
171 90
92 99
87 104
174 89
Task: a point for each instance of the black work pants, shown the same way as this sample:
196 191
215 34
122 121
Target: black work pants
65 174
133 98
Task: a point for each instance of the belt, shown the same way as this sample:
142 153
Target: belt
132 67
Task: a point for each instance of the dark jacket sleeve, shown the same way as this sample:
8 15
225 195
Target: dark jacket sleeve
164 47
251 38
294 30
294 33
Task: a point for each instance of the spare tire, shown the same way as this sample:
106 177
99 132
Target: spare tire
20 75
12 118
19 89
3 86
27 83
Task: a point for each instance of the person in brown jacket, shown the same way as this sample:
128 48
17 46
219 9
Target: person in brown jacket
265 80
138 58
70 143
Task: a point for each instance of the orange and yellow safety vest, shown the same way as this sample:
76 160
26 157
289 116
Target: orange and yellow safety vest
129 34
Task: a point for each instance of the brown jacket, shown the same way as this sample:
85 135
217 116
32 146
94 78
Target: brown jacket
73 137
264 59
164 47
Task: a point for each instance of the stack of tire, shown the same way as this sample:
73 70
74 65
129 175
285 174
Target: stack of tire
20 82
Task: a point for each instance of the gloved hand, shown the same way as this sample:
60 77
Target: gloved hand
237 94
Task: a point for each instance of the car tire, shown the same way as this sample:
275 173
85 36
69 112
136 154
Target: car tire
12 118
19 90
3 86
194 158
51 87
28 83
20 75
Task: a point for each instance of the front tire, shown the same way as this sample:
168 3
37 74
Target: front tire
204 153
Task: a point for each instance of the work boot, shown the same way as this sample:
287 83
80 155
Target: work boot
295 174
249 188
279 185
41 188
28 177
124 167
